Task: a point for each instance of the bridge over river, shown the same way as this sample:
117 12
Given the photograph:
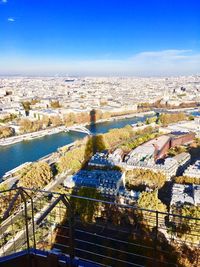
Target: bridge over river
79 129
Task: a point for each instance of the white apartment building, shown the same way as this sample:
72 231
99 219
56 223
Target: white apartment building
193 170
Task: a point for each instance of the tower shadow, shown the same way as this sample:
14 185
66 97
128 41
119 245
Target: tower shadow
95 142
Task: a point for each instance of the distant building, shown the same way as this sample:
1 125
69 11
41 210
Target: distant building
186 126
116 156
101 160
193 170
107 182
183 160
149 153
157 148
170 167
127 197
181 138
185 194
105 159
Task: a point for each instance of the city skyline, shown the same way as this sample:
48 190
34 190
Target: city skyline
75 38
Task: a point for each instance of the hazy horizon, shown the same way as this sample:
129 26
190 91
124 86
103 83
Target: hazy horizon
101 38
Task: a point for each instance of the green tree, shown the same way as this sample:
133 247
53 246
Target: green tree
55 104
87 209
72 160
186 180
150 201
6 132
166 118
27 106
151 120
25 126
37 175
144 177
56 121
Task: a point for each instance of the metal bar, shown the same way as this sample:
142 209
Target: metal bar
11 204
105 202
108 257
48 210
155 219
71 229
32 217
26 217
93 262
156 241
113 239
114 249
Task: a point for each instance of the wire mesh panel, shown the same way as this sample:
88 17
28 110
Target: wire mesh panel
16 213
98 231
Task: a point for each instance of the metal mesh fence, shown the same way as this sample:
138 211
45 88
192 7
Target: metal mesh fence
98 231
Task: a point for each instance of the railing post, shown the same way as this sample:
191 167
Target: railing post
26 217
71 230
32 217
71 235
156 240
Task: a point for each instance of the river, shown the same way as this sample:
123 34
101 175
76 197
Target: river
16 154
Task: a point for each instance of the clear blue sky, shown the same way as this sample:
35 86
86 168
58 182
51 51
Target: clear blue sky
100 37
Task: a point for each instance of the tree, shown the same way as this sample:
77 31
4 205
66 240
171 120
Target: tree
56 121
151 120
86 209
116 136
150 201
166 118
37 175
106 115
142 138
6 132
25 126
187 227
45 121
72 160
142 177
176 150
186 180
55 104
69 119
191 117
27 106
5 199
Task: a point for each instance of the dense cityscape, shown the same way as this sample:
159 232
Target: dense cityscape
152 163
99 133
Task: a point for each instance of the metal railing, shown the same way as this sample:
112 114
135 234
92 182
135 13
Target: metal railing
98 231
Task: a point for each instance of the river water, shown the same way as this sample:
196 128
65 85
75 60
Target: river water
16 154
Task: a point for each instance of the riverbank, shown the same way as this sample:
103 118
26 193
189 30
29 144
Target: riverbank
37 148
50 131
127 116
9 177
30 136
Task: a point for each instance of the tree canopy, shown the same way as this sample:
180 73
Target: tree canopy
142 177
150 200
36 175
166 118
6 132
